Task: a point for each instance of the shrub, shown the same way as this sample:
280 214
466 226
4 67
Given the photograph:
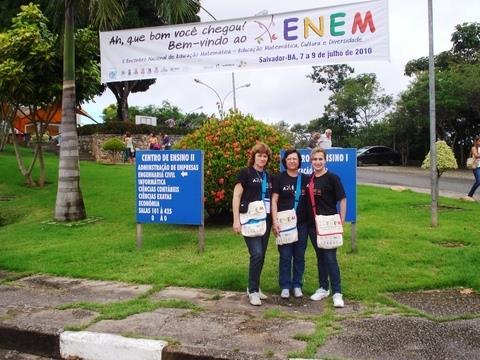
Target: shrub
226 145
445 158
113 146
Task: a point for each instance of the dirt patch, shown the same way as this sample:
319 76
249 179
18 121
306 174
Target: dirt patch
442 303
452 244
398 338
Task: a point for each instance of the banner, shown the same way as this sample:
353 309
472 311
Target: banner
329 35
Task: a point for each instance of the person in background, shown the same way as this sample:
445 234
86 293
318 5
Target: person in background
289 192
312 143
165 141
129 149
153 143
327 192
325 141
475 153
254 183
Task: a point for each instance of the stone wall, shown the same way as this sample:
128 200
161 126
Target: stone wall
90 146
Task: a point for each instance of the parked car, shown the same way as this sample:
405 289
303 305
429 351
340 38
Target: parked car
378 155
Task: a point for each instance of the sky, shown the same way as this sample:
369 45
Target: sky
286 94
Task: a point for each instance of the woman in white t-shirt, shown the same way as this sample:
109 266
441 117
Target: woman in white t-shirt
475 153
129 149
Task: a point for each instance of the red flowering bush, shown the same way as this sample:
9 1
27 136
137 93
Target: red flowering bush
226 145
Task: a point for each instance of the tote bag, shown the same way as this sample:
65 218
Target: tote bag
254 221
329 231
471 163
287 221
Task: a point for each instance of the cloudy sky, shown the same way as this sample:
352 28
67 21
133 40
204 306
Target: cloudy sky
287 94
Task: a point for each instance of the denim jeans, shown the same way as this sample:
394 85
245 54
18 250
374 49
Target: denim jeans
327 264
257 247
293 254
476 173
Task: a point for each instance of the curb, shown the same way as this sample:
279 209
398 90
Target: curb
30 341
100 346
88 345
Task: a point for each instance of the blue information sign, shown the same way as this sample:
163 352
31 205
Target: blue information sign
169 186
342 162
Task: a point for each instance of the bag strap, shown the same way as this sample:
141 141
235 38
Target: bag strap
264 184
298 190
311 184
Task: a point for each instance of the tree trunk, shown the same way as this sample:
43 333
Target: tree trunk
123 108
122 90
69 204
27 174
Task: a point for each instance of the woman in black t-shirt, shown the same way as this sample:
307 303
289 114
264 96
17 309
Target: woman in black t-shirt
248 189
328 191
289 192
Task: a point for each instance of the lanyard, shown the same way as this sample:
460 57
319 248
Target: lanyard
298 190
264 184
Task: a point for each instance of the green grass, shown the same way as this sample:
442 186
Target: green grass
397 248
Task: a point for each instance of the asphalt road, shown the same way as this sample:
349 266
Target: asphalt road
452 184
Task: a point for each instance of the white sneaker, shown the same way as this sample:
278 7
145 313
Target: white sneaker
297 292
285 294
260 293
255 299
338 300
320 294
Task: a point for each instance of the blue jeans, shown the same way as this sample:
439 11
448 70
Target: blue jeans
476 173
257 247
293 253
327 264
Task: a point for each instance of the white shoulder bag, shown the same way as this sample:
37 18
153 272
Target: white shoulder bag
254 221
287 219
329 231
329 227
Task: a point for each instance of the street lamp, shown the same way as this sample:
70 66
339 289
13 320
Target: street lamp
221 102
197 108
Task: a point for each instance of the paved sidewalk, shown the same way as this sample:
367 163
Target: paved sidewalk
454 174
211 324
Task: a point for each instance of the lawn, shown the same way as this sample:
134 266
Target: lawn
397 248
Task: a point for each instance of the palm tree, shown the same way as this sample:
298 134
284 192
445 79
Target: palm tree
69 204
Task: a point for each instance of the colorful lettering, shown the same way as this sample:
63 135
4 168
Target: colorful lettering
358 23
309 24
287 28
334 24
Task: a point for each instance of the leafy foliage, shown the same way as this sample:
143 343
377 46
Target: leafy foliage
227 145
445 158
113 146
121 127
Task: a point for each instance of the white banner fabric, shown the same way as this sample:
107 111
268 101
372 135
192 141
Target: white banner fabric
329 35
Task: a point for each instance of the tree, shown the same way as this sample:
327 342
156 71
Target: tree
31 81
445 160
331 77
69 203
362 100
466 42
103 14
146 14
28 57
